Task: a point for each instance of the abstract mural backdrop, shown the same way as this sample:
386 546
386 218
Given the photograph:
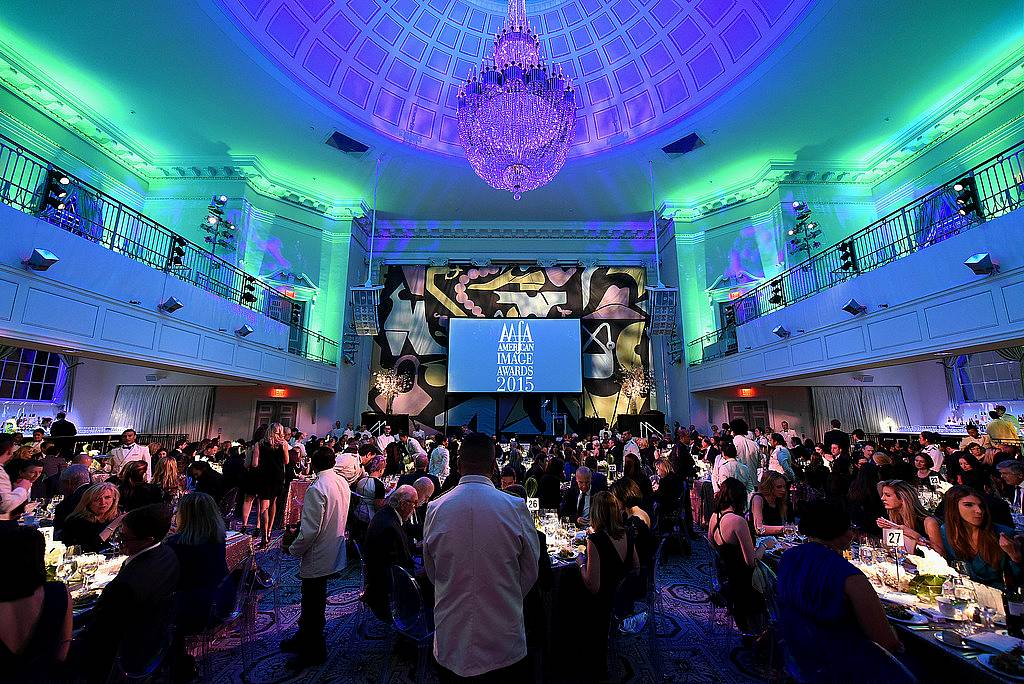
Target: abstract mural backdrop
418 301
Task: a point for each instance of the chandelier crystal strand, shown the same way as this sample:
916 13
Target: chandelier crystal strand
517 115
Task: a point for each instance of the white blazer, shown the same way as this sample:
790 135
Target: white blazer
321 540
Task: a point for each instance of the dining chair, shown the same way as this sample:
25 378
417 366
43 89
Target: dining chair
233 606
411 617
268 576
633 618
142 656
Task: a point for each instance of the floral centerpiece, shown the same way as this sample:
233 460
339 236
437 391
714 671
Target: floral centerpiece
932 572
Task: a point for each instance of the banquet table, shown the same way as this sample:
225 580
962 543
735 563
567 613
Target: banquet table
926 655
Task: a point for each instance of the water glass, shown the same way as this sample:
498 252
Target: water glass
867 554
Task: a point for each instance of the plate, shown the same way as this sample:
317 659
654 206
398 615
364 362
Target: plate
953 642
985 659
914 619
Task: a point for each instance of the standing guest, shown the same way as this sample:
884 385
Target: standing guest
747 451
836 436
668 494
155 448
632 470
829 612
178 450
135 492
386 544
63 431
729 467
975 437
424 491
549 490
422 464
768 505
968 535
129 450
384 439
439 457
233 469
11 496
903 510
94 519
481 553
130 612
321 548
780 460
789 436
74 481
346 463
206 479
609 558
35 615
578 498
371 492
268 459
729 533
1008 417
930 446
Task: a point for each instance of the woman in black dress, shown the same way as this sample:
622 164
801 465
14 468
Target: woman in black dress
610 557
35 615
94 519
549 490
268 460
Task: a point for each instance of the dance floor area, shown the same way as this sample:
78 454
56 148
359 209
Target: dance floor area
697 642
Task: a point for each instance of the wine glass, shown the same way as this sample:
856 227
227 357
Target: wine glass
66 570
88 574
867 554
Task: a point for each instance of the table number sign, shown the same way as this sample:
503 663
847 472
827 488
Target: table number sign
933 480
894 538
533 504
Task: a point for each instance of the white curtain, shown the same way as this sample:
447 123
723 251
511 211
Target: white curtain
867 408
164 409
883 406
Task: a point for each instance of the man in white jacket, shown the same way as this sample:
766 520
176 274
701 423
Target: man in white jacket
321 546
747 451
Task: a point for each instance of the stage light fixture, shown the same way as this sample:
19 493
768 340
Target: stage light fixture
854 308
220 200
170 305
248 295
781 332
798 205
296 314
776 295
847 256
982 264
244 331
211 220
177 250
40 260
58 184
967 198
662 309
729 316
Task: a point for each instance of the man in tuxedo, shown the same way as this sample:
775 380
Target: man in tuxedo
63 432
422 463
386 544
134 609
836 436
576 504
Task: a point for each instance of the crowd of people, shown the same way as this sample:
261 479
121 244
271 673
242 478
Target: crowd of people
452 512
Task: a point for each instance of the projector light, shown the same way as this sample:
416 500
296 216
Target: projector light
781 332
170 305
40 260
982 264
244 331
854 308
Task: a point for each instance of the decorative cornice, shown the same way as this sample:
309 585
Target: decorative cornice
996 85
503 231
30 84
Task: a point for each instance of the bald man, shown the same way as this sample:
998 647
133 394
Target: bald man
387 544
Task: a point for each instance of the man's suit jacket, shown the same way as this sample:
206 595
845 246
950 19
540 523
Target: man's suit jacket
598 482
836 437
570 502
385 545
130 609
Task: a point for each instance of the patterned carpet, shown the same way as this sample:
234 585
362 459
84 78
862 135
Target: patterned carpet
696 641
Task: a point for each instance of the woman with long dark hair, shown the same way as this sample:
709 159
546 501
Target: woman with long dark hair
729 534
903 510
969 536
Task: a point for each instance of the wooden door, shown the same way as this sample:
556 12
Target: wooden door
283 412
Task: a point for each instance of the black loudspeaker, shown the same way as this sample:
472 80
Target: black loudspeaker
628 422
590 426
399 423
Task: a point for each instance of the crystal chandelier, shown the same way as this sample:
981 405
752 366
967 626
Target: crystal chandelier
516 115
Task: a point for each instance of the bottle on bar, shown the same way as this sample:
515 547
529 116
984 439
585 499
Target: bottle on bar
1013 604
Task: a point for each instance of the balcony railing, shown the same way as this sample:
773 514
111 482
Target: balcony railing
96 216
927 220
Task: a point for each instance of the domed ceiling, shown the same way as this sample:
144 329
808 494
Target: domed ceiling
394 65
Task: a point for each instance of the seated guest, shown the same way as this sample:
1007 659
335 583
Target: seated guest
94 519
668 492
35 615
508 477
207 480
424 491
421 462
609 558
969 465
903 510
74 480
1011 474
549 489
135 491
768 505
577 501
385 545
637 521
969 536
923 470
863 503
631 469
829 614
28 470
165 476
131 612
536 471
598 480
729 533
198 543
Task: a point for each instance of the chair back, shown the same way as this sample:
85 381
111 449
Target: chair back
407 610
228 502
631 606
659 556
141 654
531 487
362 566
268 572
233 591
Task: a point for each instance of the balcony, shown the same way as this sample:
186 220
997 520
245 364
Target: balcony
35 186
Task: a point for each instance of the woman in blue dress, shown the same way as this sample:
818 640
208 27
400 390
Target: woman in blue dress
969 536
830 617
